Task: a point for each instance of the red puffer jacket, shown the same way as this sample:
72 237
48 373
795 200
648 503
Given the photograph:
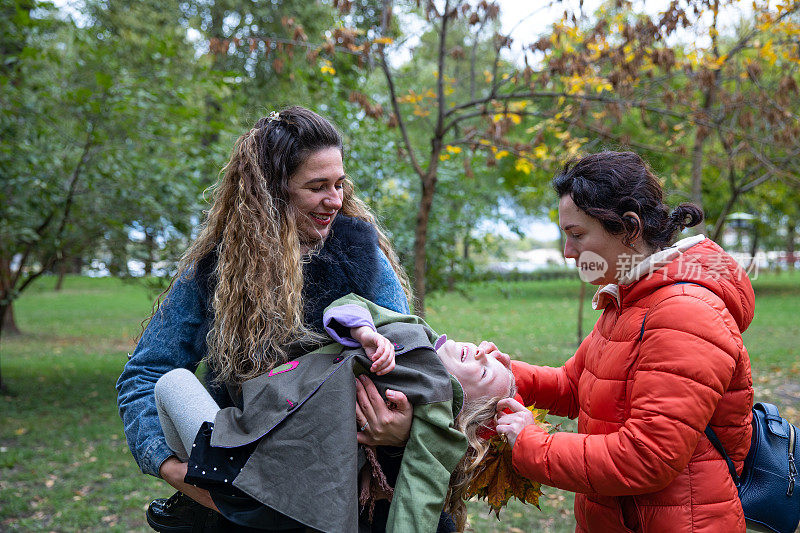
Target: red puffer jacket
640 460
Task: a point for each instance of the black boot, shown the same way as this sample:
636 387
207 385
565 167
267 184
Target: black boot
181 514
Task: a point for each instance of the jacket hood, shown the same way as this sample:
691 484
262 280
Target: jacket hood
695 260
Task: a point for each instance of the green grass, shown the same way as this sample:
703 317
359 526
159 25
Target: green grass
64 463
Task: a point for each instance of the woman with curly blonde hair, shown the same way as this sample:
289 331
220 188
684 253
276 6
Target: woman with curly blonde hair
285 236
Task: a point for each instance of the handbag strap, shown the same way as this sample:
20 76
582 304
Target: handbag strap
641 330
773 418
721 449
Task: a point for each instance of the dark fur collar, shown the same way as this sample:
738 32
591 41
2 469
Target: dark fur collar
348 262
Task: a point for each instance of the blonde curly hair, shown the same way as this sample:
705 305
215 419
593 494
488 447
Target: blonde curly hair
252 229
475 418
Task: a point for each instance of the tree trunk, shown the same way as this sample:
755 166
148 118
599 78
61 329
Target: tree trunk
6 313
753 249
421 240
150 245
63 266
9 323
118 248
213 107
697 172
791 233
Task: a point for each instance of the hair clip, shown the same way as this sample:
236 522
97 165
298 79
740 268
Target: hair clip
273 115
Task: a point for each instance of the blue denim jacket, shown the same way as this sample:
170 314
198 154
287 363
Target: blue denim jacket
176 338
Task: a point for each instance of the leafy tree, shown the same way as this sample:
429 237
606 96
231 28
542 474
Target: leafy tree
97 112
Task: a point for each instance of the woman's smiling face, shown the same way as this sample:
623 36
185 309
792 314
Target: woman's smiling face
315 192
480 375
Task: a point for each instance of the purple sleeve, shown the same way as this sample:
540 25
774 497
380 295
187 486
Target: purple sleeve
338 322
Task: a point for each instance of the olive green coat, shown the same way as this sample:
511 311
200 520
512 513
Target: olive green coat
302 413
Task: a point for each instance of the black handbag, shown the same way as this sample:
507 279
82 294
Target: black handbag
767 484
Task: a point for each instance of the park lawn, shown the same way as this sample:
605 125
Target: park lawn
64 463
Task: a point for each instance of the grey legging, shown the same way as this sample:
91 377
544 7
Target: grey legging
183 405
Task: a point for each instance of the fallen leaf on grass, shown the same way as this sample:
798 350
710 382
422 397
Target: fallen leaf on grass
20 431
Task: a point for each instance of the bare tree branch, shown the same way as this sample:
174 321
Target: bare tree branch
387 6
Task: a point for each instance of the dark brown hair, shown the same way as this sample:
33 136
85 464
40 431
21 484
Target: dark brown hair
607 184
284 140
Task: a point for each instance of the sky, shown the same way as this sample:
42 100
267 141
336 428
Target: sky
527 20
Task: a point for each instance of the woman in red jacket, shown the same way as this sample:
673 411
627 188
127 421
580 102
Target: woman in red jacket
664 360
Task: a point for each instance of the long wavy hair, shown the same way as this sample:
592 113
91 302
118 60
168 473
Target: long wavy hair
475 418
252 229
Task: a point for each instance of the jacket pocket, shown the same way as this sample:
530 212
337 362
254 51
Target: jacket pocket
629 514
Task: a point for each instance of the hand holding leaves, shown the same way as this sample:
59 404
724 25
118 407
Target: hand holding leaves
513 423
496 480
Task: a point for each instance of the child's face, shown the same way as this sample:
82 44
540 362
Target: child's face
480 375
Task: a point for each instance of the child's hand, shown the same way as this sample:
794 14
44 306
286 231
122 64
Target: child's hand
378 348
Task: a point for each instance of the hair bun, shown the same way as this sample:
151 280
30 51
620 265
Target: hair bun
685 216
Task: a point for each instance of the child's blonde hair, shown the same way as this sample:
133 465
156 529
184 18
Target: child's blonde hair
475 419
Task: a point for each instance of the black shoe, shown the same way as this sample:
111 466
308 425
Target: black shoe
181 514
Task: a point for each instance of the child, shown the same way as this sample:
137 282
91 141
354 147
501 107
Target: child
287 457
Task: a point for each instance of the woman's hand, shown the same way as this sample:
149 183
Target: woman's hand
491 350
511 424
173 471
383 425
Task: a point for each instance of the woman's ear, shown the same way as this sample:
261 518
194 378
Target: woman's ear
635 224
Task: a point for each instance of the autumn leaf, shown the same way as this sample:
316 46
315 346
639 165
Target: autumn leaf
497 482
327 67
524 166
